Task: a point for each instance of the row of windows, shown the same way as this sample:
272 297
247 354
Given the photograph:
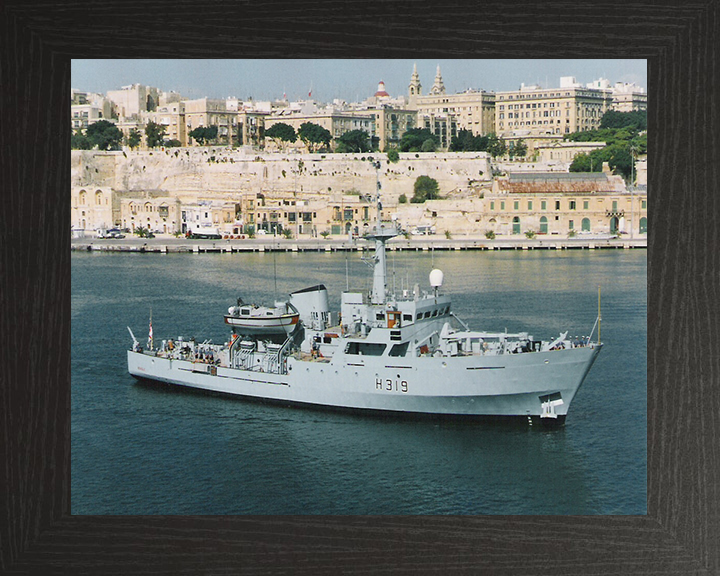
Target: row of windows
572 205
82 197
149 208
545 114
524 96
585 225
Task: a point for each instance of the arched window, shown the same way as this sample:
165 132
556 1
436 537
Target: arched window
98 197
586 225
516 225
643 225
82 196
543 225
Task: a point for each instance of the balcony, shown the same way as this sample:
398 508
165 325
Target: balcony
615 213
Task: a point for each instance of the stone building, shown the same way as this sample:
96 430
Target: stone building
207 112
87 108
628 97
156 213
565 204
390 124
535 111
563 152
445 114
133 99
93 208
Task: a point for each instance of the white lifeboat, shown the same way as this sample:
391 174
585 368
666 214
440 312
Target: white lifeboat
254 319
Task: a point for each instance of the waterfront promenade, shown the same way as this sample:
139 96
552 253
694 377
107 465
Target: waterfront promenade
170 244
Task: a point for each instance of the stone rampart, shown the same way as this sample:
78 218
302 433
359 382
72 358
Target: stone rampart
211 170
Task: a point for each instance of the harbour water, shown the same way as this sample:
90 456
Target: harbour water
152 449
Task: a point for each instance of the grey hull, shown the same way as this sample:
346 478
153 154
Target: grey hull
507 385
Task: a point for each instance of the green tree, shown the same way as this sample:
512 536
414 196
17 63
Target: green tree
495 146
413 139
134 138
425 188
105 135
520 148
173 143
204 134
393 156
402 199
155 134
281 133
583 163
78 141
618 157
466 141
354 141
430 145
637 120
314 136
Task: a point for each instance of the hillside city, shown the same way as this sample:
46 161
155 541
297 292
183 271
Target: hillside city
530 163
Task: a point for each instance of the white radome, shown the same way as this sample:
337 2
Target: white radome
436 278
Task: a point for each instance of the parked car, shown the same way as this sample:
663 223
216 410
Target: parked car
112 233
423 230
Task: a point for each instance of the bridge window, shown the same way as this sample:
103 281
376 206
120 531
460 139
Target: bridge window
365 348
399 349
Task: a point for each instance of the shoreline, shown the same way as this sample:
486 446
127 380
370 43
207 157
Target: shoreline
169 244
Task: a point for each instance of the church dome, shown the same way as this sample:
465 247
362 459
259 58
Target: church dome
381 93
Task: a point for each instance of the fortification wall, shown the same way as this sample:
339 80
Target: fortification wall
186 171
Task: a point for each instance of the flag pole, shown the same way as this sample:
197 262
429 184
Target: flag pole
150 332
599 316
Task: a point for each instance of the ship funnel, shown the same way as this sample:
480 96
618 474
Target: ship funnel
436 278
312 304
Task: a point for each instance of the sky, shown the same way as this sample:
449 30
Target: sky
349 80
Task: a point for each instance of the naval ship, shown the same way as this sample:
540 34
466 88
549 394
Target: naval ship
404 354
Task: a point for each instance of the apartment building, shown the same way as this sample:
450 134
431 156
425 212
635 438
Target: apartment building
445 114
535 111
170 116
628 97
87 108
133 99
207 112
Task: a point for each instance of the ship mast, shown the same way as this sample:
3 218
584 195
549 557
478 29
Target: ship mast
381 234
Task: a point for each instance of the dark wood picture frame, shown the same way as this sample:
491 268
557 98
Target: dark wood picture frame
681 531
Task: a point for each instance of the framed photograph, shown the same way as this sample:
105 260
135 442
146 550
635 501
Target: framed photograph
430 511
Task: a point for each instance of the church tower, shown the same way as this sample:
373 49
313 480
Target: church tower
438 87
415 88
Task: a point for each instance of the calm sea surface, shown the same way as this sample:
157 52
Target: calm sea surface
152 449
